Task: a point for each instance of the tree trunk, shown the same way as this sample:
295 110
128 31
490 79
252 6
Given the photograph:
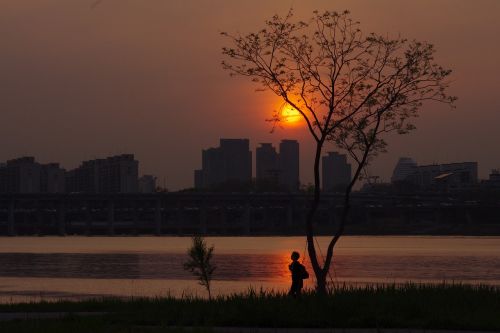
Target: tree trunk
318 272
347 207
321 283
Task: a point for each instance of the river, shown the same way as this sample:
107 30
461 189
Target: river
49 268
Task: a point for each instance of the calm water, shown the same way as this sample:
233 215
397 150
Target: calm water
78 267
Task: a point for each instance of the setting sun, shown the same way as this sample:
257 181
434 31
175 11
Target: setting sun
290 115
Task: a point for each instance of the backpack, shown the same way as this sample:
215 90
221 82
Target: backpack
304 274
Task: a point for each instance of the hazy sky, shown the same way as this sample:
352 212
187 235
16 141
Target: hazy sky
79 81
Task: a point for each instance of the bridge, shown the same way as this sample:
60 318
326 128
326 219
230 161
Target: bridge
182 213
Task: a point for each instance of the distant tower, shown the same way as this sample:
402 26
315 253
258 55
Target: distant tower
336 172
266 162
404 168
147 184
114 174
119 174
20 175
25 175
212 167
52 178
289 164
231 161
198 179
237 159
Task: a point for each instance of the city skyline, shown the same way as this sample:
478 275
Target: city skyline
82 81
226 163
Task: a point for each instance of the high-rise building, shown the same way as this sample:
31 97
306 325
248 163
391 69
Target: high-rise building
85 178
238 159
446 176
230 162
25 175
20 175
52 178
267 163
493 181
289 165
115 174
147 184
404 168
119 174
198 179
449 176
212 167
336 172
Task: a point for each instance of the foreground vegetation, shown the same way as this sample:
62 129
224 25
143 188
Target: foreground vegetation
444 306
88 325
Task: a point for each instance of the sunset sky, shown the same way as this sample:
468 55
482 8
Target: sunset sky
82 79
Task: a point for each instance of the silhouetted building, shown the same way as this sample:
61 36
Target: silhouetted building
20 175
115 174
84 179
231 162
267 164
147 184
336 172
447 176
289 165
52 178
440 177
493 181
25 175
119 174
212 167
198 179
404 169
238 159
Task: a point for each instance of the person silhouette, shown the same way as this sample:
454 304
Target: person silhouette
299 273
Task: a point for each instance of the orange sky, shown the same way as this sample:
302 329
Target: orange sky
145 77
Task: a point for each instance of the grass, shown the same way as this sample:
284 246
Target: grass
418 306
88 325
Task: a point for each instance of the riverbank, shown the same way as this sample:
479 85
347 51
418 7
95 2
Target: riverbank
443 307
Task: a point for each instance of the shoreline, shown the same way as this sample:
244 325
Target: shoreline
440 308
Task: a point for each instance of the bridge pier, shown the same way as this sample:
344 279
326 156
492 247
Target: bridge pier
203 218
180 217
368 216
331 215
88 219
111 218
223 218
11 223
265 217
289 214
247 218
39 219
61 219
468 217
438 216
135 216
158 217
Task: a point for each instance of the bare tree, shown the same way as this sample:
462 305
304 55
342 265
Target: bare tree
332 73
200 262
